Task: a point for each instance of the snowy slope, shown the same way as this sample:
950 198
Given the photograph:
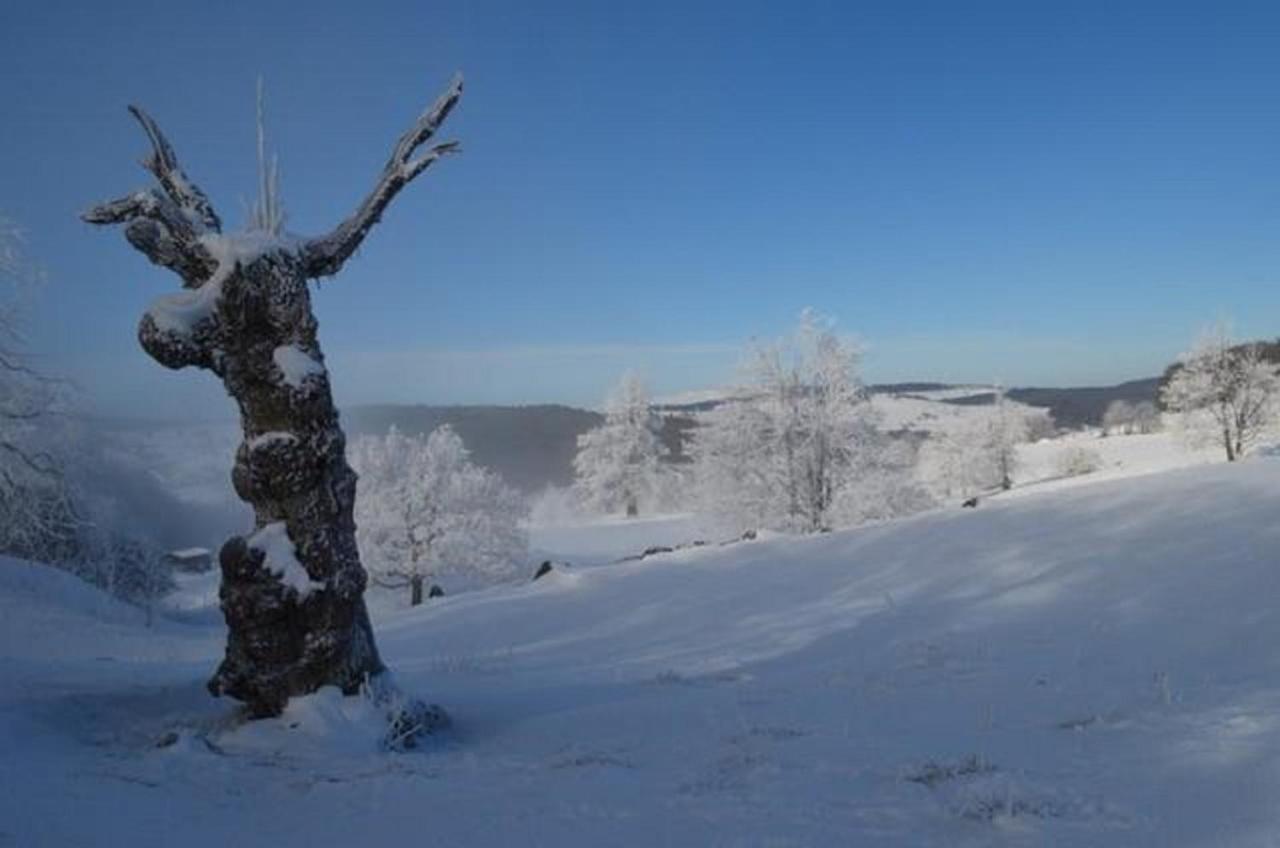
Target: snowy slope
602 540
1094 666
1120 456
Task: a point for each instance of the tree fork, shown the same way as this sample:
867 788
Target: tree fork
293 590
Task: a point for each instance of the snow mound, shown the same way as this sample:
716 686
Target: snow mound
323 724
296 365
28 590
282 558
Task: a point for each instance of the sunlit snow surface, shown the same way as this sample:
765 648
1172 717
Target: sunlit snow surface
1088 666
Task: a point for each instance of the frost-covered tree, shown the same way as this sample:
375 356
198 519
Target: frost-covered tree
1146 417
617 464
37 518
293 589
53 509
957 462
980 454
1006 428
797 448
1224 391
737 465
1130 418
426 512
1077 460
1120 417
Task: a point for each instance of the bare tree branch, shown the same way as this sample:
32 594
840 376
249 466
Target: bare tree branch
325 255
10 364
165 224
160 229
163 163
39 462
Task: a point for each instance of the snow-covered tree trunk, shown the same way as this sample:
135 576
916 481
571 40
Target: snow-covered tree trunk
292 590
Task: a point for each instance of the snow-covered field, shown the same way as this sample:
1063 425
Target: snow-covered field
928 412
1091 666
600 541
1119 456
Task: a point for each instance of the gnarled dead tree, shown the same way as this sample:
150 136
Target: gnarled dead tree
293 590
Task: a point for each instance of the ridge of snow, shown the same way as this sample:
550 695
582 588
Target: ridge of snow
296 365
180 312
230 250
282 558
271 437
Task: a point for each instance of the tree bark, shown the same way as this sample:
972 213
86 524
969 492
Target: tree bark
293 590
285 637
415 591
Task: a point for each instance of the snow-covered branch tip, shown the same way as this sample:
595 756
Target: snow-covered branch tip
164 223
325 255
163 164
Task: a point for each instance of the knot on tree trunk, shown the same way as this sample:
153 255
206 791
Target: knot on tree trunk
174 334
277 465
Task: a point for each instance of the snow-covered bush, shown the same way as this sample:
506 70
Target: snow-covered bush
1118 418
554 505
981 454
1123 417
886 486
953 464
38 520
424 512
617 465
75 520
1040 425
1077 460
130 569
1146 418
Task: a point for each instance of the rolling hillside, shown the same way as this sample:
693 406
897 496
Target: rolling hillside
1093 666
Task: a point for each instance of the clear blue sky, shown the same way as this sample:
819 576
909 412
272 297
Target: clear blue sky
1041 193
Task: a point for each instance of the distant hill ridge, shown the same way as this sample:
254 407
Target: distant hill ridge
1074 408
530 446
533 446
